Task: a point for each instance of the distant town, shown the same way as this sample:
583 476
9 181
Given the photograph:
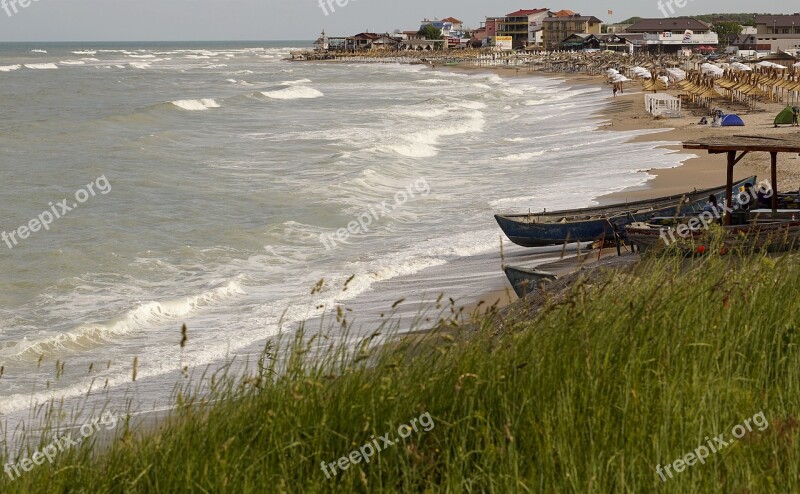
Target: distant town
537 30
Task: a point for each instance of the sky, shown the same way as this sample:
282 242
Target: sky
212 20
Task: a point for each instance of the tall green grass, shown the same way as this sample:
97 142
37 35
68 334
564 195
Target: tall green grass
627 372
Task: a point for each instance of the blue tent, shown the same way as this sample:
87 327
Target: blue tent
732 121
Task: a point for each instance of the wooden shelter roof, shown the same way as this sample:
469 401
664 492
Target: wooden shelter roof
769 144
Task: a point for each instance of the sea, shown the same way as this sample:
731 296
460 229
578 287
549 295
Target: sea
217 185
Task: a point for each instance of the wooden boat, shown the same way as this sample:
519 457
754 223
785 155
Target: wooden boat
774 236
591 224
526 280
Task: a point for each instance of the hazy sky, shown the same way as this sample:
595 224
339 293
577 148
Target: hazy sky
168 20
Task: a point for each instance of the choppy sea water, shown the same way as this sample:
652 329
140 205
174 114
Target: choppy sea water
216 184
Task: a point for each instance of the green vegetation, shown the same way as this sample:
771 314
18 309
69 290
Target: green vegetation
431 32
727 31
626 372
744 19
632 20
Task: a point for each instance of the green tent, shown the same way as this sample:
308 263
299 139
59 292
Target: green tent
785 117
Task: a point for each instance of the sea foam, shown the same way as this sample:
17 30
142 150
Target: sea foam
196 104
294 92
41 66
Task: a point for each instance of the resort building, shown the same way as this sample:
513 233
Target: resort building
445 27
780 32
675 35
487 32
322 43
580 42
624 43
556 29
620 42
746 45
617 28
523 26
457 24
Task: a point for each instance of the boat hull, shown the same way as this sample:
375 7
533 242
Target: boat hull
769 237
525 281
578 225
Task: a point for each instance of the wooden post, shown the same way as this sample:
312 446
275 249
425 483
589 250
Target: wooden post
774 157
729 186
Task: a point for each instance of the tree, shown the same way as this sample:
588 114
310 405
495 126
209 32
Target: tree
727 31
431 32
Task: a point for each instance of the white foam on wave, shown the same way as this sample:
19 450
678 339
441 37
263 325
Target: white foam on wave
41 66
241 83
72 62
145 315
294 92
38 51
196 104
556 96
471 105
520 156
9 68
140 65
433 81
85 52
295 83
423 144
420 112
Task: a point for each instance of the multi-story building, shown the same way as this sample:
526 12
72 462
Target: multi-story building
523 26
487 32
557 29
675 34
446 27
780 32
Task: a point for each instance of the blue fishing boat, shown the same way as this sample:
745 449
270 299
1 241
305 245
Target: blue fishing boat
603 222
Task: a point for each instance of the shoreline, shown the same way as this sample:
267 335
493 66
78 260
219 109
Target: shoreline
627 113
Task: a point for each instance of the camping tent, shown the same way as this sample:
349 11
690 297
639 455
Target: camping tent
732 121
785 117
